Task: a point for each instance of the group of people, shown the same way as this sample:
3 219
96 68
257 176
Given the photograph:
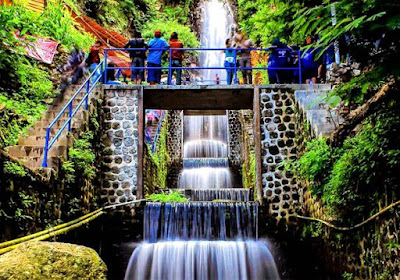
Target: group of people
283 62
156 48
241 55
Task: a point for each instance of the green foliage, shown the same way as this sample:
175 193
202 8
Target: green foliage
174 196
312 167
249 173
167 26
14 169
121 15
347 276
265 20
160 157
25 83
81 159
351 179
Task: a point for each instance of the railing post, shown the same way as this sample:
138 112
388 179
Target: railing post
105 67
235 67
87 95
170 68
300 74
69 115
46 147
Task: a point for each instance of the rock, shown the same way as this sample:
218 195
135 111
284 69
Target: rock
52 260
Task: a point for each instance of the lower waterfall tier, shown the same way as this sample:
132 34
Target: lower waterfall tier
202 260
205 178
200 220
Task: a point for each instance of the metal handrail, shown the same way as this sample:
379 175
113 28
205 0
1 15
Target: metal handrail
160 121
49 142
170 68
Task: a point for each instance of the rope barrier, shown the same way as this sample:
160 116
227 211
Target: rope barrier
394 204
60 229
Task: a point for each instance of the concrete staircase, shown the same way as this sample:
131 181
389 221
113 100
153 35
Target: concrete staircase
30 148
314 105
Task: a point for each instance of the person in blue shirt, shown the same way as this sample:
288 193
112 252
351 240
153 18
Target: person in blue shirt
309 64
280 56
229 61
154 57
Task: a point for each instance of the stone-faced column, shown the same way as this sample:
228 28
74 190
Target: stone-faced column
277 145
174 146
235 145
120 137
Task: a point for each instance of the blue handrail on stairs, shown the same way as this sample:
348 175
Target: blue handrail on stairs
160 122
89 85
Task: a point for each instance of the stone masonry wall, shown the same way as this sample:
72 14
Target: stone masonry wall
174 146
277 145
120 137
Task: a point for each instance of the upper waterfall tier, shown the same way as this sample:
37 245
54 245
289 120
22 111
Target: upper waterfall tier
205 148
205 260
205 127
200 220
205 162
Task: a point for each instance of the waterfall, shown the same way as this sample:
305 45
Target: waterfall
204 239
200 220
205 152
187 260
217 20
220 194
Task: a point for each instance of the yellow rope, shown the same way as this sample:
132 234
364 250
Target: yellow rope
394 204
60 229
54 233
31 236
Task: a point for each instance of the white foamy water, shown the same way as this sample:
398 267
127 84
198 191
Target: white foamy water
217 19
205 178
202 260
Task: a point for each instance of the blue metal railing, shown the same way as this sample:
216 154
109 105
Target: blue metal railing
160 122
171 68
101 73
88 86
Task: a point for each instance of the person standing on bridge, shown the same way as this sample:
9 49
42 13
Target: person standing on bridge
245 57
177 56
229 61
137 57
154 57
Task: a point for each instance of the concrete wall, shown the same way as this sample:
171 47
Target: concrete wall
120 136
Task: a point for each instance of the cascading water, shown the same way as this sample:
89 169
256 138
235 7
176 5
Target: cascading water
204 239
225 260
205 152
217 21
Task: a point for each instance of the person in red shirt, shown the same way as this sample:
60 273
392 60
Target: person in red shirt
93 60
177 56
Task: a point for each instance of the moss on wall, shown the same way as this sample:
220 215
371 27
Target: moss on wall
156 163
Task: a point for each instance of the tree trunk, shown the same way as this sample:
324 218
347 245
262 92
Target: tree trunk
359 114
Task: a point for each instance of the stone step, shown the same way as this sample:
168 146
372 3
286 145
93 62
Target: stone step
36 162
76 121
37 140
36 151
309 100
33 131
323 122
50 115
